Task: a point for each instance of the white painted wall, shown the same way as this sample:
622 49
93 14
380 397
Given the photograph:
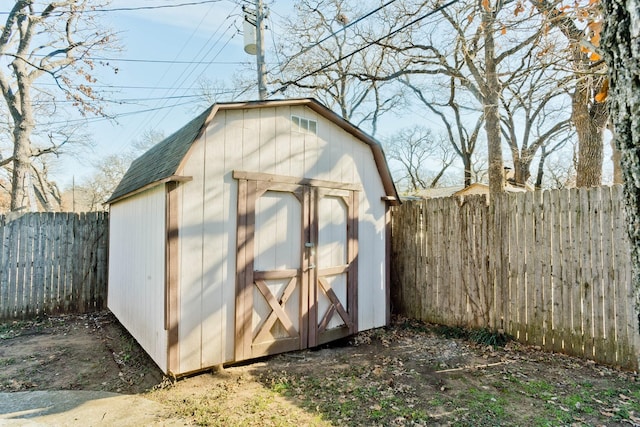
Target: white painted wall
262 140
137 270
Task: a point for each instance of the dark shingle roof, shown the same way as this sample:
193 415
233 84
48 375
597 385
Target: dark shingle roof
162 160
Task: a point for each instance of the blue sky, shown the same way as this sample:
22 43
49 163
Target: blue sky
206 33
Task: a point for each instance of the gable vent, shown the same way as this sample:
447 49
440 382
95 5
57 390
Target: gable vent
300 124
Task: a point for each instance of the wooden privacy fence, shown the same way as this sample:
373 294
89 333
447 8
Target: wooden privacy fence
53 263
552 269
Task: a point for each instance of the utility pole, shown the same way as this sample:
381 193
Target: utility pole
262 84
254 43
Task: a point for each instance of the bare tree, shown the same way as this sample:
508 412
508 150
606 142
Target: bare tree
108 173
589 115
479 166
535 116
463 139
558 169
110 170
212 91
46 191
480 46
419 152
45 40
313 47
533 109
48 144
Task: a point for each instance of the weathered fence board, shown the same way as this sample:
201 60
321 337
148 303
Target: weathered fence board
53 263
550 268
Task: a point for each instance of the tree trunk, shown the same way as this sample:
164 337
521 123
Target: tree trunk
588 117
21 168
615 159
468 173
621 40
590 143
522 171
491 97
540 172
589 167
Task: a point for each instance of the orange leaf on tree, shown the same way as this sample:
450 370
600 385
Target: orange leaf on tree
504 30
485 4
604 91
595 57
595 26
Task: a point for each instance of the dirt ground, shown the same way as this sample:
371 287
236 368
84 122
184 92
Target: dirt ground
407 374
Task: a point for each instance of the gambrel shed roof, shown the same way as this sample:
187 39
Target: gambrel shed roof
162 162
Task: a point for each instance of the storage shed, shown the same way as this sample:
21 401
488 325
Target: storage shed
257 228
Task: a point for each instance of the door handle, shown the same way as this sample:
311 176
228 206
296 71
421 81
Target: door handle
311 252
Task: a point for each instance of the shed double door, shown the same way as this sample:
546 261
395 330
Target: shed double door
297 265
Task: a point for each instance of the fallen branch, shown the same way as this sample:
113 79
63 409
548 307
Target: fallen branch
474 367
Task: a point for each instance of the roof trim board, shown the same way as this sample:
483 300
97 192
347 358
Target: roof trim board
172 178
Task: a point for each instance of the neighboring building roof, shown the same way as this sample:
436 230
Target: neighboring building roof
433 193
475 188
472 189
161 163
479 188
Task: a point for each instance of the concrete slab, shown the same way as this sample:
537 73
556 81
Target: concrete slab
81 408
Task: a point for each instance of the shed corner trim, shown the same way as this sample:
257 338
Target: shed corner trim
391 200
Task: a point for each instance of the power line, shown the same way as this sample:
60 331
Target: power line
349 55
118 88
154 61
216 55
344 27
190 73
107 86
275 47
128 9
126 100
166 6
115 116
186 73
170 92
168 61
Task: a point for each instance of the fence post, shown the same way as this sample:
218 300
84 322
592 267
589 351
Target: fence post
4 270
495 254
